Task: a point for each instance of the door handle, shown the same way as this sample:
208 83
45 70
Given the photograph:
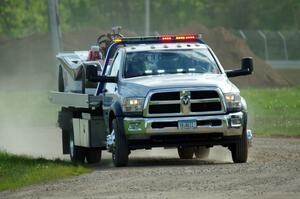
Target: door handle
104 90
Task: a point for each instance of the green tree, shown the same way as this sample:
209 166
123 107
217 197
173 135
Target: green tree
21 17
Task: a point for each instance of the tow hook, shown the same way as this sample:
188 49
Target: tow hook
110 141
249 137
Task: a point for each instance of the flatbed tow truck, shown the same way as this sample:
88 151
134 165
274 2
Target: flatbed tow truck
159 91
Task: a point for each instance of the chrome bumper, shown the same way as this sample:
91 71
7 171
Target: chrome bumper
230 125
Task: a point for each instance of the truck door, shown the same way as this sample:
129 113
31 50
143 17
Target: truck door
111 89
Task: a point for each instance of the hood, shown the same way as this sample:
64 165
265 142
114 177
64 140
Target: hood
140 86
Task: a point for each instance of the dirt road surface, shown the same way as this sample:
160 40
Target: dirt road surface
273 171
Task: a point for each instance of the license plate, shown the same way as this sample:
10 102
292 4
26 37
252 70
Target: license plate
187 124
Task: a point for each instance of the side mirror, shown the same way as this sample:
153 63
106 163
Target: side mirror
246 68
91 73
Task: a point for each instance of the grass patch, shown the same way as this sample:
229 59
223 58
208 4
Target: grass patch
18 171
274 111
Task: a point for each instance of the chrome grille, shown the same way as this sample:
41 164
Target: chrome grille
184 102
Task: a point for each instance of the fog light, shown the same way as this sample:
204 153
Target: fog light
235 121
134 126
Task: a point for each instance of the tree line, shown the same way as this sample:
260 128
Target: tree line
24 17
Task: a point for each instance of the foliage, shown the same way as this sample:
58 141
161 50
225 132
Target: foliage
23 17
18 171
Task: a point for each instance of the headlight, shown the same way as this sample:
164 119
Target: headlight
233 101
133 104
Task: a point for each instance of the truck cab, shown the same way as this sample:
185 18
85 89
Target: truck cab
164 91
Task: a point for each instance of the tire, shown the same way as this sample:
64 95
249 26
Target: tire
93 155
61 86
201 152
120 150
239 151
77 154
185 152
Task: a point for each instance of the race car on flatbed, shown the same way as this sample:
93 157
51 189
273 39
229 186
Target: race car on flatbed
161 91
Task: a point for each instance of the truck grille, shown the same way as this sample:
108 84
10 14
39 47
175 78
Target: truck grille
185 102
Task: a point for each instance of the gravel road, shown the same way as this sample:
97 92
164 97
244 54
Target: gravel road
273 171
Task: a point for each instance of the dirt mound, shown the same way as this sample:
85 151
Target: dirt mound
22 59
230 49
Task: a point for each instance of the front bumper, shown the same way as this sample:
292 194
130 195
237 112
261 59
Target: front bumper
142 128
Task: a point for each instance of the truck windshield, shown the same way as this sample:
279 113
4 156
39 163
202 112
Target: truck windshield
158 62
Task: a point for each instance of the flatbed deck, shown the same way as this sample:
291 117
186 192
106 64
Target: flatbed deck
77 100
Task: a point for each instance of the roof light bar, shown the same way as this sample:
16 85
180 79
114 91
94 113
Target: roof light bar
163 39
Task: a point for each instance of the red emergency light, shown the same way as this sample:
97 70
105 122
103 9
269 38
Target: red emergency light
179 38
166 38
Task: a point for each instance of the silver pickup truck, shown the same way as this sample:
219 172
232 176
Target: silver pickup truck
163 91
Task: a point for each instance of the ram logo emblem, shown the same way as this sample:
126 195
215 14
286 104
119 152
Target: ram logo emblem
185 100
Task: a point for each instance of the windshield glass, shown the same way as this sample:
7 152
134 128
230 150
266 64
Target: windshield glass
169 62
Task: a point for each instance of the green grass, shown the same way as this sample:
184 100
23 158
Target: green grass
274 111
18 171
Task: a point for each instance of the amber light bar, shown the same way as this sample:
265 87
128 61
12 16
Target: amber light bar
186 37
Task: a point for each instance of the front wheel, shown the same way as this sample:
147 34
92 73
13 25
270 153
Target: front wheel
120 149
239 150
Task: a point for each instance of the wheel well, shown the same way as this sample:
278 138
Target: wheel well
111 117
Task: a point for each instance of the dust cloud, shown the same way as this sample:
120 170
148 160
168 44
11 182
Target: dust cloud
37 142
27 124
21 133
27 119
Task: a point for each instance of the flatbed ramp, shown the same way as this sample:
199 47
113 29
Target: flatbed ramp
77 100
